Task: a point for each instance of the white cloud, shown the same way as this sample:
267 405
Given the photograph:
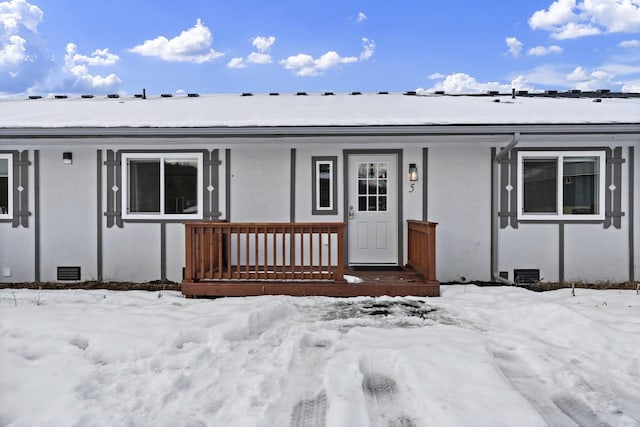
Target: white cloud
568 19
13 52
237 62
630 43
368 48
585 80
303 64
436 76
263 44
514 45
78 76
631 86
192 45
259 58
361 17
544 50
24 61
14 13
99 57
464 83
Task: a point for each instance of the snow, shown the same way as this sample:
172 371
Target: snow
481 356
313 110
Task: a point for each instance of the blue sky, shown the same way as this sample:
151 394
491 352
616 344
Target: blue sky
170 46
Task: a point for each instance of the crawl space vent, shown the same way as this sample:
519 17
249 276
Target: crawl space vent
68 273
526 275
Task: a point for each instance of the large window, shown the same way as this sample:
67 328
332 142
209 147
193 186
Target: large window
566 185
161 185
6 185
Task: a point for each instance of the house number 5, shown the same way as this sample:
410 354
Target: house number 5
411 188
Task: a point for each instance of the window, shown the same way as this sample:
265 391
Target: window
324 186
566 185
6 186
372 187
157 185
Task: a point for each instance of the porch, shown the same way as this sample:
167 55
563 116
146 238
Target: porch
299 259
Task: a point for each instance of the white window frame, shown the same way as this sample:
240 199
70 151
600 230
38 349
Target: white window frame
9 158
331 207
559 156
161 157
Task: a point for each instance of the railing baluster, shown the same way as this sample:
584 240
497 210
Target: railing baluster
300 255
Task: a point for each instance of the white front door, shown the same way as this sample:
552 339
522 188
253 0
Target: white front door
372 209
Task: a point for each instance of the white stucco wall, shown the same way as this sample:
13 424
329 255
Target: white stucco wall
595 254
68 212
260 183
132 253
175 251
530 246
460 202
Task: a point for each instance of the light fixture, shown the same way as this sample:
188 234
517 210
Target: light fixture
67 158
413 172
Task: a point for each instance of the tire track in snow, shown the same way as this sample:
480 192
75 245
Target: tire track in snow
557 408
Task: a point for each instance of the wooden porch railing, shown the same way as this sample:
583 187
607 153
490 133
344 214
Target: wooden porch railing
421 242
264 251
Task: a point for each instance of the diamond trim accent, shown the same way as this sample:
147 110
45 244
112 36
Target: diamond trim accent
509 187
20 188
612 187
115 188
210 188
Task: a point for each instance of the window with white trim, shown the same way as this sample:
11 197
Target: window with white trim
561 185
324 186
6 186
162 185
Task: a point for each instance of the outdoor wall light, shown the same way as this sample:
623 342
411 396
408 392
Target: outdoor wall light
67 158
413 172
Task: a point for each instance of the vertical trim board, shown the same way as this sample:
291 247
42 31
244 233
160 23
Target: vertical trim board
36 202
292 187
99 215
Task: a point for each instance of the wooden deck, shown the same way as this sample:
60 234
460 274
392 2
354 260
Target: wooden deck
375 283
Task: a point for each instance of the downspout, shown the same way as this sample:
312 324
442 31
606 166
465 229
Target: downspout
495 208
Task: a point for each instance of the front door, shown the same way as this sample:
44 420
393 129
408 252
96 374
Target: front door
372 209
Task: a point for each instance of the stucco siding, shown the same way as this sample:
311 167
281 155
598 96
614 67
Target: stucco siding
68 213
531 246
260 181
132 253
595 254
460 202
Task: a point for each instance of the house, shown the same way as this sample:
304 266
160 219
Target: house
523 187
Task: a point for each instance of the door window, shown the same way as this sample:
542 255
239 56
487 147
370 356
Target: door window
372 186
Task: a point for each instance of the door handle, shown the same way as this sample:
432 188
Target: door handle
352 213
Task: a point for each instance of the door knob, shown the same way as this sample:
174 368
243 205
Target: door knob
352 213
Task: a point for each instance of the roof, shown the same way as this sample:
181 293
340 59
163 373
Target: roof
313 110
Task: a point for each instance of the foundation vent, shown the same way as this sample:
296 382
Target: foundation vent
68 273
526 275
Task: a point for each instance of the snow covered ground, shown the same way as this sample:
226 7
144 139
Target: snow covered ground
474 357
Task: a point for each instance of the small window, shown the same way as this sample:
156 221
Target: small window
160 185
324 186
6 186
372 187
561 185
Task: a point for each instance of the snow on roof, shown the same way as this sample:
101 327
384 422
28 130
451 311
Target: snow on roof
312 110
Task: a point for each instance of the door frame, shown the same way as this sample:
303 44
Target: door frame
400 185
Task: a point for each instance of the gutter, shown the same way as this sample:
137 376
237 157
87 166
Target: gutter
495 193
